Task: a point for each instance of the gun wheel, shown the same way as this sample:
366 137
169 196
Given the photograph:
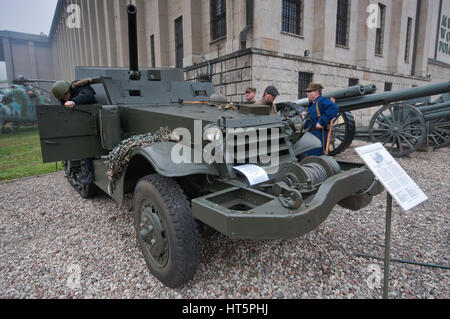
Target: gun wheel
166 231
399 127
438 132
342 134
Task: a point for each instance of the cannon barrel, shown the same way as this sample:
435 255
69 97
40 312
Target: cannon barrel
442 110
353 91
366 101
370 89
433 107
340 94
132 42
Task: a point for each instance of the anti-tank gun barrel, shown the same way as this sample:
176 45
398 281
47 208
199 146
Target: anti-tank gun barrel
354 91
435 112
366 101
433 107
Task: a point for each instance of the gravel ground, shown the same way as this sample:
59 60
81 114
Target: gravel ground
48 234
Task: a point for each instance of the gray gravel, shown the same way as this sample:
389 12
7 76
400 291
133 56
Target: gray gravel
48 233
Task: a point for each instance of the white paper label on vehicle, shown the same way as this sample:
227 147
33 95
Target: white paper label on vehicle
393 177
253 173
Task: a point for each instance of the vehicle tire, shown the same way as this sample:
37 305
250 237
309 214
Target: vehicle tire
343 133
166 231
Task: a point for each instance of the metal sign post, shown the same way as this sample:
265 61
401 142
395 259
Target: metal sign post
387 245
398 185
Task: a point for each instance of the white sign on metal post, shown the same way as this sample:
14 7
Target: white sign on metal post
253 173
391 175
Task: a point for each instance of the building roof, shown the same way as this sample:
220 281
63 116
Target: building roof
23 36
56 16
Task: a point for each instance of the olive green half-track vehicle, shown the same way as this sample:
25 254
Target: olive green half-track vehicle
191 160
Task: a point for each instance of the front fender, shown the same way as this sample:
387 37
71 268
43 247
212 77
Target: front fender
159 156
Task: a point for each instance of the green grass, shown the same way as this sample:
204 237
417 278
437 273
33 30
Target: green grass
20 155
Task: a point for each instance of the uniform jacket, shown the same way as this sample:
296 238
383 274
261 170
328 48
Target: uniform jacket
328 111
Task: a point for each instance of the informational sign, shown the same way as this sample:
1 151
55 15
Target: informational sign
253 173
393 177
442 50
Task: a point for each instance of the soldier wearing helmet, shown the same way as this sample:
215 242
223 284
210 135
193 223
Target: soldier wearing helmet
78 93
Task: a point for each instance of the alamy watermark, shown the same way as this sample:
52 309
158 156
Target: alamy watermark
373 20
74 278
73 20
374 280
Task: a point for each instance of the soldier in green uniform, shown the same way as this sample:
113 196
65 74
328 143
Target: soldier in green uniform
78 93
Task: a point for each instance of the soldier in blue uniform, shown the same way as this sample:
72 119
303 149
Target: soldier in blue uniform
321 111
78 93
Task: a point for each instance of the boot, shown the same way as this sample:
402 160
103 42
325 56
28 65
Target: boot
87 175
84 170
89 179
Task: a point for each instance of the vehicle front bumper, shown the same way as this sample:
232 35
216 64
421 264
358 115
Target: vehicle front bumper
266 218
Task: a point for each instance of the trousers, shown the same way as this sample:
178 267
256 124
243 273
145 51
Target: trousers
322 136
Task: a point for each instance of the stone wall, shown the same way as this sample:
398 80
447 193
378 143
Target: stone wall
231 74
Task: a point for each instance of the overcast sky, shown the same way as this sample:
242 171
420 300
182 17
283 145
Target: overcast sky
28 16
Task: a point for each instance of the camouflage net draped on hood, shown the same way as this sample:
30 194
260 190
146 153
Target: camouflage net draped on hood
119 157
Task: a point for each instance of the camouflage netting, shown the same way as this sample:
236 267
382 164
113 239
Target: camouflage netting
119 157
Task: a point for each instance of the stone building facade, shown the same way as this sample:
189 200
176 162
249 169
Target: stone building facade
239 43
26 54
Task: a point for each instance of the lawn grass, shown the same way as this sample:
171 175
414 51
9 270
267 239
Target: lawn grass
20 155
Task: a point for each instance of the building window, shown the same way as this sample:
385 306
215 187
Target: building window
179 47
304 78
152 49
218 19
408 39
387 86
342 22
292 16
379 37
352 82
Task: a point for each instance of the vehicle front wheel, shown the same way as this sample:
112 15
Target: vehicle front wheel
166 231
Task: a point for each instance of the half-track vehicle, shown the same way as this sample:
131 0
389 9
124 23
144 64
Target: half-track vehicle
191 160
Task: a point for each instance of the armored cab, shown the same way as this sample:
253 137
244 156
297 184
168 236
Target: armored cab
190 159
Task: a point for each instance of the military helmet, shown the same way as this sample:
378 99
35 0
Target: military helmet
60 88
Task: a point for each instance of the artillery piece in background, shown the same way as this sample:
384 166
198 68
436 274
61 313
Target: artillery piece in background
400 126
146 116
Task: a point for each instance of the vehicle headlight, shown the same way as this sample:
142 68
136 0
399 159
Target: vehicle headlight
212 133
